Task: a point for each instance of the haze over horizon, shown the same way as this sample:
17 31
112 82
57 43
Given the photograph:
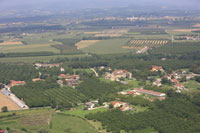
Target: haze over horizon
80 4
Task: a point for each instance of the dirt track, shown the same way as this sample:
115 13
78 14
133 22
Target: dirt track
5 101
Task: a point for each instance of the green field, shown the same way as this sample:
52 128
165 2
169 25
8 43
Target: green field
192 84
36 119
62 123
82 113
28 48
112 46
38 58
31 120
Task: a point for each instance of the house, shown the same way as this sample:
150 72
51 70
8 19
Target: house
179 86
118 74
117 104
62 69
71 82
15 83
60 82
126 108
157 68
37 79
157 83
131 92
175 81
121 105
62 76
89 105
149 92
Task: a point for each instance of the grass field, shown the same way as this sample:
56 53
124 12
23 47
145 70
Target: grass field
38 58
31 120
28 48
82 113
86 43
192 84
112 46
62 123
5 101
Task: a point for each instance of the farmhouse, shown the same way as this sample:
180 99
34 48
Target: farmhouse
175 81
122 105
89 105
149 92
37 79
179 86
117 74
15 83
157 82
157 68
71 80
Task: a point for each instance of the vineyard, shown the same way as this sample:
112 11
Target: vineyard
136 44
67 95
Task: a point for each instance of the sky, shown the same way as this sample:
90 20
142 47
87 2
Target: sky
80 4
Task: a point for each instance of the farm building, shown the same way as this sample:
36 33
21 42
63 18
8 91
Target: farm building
122 105
149 92
15 83
157 68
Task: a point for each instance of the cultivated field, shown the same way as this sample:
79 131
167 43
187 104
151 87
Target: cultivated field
31 120
178 31
28 48
62 123
5 101
112 46
10 43
85 43
137 44
38 58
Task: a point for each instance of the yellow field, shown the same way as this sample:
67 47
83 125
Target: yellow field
85 43
10 43
108 34
5 101
171 31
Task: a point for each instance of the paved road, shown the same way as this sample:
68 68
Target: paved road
97 75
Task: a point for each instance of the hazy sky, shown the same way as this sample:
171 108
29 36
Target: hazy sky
94 3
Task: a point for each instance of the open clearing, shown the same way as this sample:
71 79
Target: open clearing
63 123
111 46
5 101
85 43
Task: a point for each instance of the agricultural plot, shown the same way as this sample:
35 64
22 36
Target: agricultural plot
5 101
64 123
28 48
10 43
138 44
67 95
111 46
38 58
85 43
31 120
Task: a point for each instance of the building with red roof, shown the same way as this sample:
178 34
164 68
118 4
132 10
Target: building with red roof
156 68
15 83
150 92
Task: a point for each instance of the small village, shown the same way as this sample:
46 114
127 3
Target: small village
175 80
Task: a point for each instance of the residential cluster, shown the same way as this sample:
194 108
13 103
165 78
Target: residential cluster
117 75
69 80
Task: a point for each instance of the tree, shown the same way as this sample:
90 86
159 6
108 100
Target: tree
110 106
4 109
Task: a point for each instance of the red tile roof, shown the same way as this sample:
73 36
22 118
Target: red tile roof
149 92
